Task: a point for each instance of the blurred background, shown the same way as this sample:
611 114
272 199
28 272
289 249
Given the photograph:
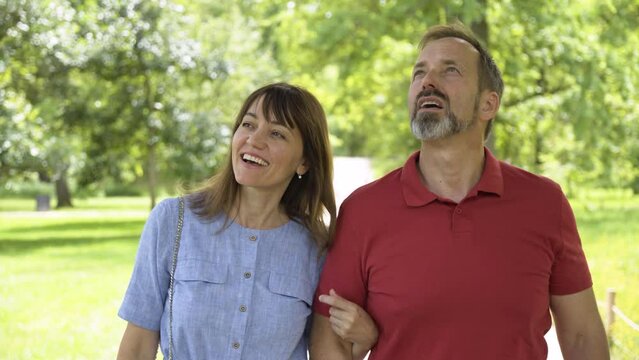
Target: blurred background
106 106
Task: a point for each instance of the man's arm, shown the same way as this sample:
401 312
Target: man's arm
580 331
325 344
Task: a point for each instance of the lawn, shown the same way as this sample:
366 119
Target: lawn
64 272
609 226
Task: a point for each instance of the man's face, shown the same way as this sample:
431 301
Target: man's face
443 97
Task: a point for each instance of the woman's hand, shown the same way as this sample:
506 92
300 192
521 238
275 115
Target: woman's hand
350 322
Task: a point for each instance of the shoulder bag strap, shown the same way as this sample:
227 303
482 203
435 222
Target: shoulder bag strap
176 248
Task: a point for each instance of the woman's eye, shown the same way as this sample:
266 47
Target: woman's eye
277 134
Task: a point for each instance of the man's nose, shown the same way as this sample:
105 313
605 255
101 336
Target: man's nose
429 81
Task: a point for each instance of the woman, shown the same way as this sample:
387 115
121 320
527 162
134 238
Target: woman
251 245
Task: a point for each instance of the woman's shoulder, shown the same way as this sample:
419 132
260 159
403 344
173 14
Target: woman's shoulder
296 228
166 209
166 213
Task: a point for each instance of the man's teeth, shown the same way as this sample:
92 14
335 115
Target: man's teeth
254 159
430 104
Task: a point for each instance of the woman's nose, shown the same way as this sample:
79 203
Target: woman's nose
257 138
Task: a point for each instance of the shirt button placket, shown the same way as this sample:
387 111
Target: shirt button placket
246 282
462 223
457 211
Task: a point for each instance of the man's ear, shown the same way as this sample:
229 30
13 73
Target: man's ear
488 105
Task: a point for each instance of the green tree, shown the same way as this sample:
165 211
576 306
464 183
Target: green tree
568 109
37 75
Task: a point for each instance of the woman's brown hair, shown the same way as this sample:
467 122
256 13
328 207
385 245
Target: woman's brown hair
305 199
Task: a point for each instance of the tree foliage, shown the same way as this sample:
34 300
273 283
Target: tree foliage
141 91
569 110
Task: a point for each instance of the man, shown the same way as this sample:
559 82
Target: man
458 255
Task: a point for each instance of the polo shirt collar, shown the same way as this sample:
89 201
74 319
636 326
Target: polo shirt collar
416 194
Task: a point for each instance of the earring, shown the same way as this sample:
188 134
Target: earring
299 176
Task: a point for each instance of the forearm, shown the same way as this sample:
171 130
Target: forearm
586 347
325 345
359 351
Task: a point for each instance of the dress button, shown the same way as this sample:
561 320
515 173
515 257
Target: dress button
459 211
242 308
252 237
236 345
247 275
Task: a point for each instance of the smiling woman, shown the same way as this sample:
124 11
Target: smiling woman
249 254
266 152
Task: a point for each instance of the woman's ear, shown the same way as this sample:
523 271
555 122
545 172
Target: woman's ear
302 168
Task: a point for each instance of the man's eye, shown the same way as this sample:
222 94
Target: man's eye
452 69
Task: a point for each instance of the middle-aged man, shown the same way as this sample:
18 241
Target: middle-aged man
458 255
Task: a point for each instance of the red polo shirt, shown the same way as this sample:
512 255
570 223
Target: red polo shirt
457 281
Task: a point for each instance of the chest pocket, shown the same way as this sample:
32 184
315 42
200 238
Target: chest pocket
292 287
200 286
201 270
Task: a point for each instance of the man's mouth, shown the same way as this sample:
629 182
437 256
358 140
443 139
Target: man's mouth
251 159
430 102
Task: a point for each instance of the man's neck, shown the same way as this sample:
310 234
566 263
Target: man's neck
451 167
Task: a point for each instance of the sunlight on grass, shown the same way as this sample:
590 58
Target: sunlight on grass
63 280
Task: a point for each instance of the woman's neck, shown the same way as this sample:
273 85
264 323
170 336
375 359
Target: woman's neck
258 210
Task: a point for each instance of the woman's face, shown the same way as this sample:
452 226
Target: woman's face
265 153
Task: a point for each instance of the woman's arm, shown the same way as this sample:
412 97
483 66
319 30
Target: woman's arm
138 343
351 323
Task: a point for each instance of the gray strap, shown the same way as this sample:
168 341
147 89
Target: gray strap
176 248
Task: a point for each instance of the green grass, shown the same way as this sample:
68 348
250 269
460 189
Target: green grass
108 203
64 272
608 223
63 276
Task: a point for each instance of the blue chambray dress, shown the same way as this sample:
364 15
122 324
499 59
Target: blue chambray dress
240 293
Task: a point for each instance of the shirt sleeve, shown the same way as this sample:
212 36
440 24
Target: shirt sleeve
344 268
143 303
570 273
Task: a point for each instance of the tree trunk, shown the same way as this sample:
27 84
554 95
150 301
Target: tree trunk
151 166
152 174
62 191
480 28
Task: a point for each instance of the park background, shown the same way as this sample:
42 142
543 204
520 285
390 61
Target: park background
106 106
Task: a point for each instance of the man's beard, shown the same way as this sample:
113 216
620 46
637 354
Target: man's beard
432 126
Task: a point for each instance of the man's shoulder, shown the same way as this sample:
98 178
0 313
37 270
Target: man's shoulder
521 179
375 191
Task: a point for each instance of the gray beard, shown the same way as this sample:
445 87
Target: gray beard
429 126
